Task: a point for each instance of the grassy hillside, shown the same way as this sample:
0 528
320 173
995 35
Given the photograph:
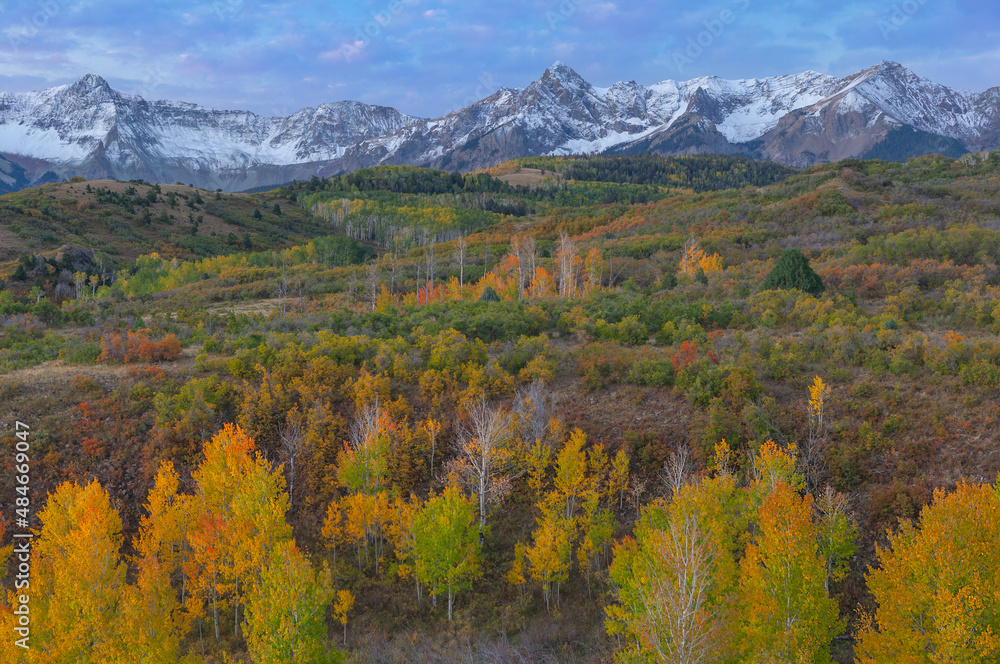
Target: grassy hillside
128 219
629 306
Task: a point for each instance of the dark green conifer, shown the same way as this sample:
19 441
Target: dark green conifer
793 271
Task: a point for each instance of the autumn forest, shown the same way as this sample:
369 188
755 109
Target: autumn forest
567 409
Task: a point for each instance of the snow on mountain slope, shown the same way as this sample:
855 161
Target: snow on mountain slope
87 125
89 129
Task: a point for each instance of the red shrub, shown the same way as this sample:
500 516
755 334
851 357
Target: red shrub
686 357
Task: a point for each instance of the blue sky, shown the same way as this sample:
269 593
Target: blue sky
429 57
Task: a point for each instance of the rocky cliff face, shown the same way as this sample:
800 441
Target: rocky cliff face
89 129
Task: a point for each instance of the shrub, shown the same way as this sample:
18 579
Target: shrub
981 373
602 363
792 271
631 332
85 353
656 373
136 346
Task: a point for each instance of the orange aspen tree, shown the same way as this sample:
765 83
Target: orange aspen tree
937 584
787 613
693 258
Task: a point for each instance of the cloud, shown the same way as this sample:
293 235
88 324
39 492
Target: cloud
427 57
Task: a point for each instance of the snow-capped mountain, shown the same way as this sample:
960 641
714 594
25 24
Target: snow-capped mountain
89 129
797 119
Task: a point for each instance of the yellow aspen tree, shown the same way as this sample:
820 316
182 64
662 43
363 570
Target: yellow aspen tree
538 458
677 581
241 504
571 469
78 575
400 534
550 554
691 256
432 428
812 455
787 613
359 522
147 628
333 528
937 584
381 520
286 610
163 532
341 607
694 258
618 478
771 466
516 575
598 469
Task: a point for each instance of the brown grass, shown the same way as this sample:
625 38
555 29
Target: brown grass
528 176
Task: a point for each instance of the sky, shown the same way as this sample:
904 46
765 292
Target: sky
430 57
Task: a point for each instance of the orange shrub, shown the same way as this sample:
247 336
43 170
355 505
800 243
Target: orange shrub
136 346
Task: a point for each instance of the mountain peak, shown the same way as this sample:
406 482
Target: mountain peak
562 73
90 85
91 81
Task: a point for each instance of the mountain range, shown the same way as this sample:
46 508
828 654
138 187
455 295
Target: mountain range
89 129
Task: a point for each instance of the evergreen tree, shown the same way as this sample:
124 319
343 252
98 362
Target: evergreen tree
793 271
489 295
